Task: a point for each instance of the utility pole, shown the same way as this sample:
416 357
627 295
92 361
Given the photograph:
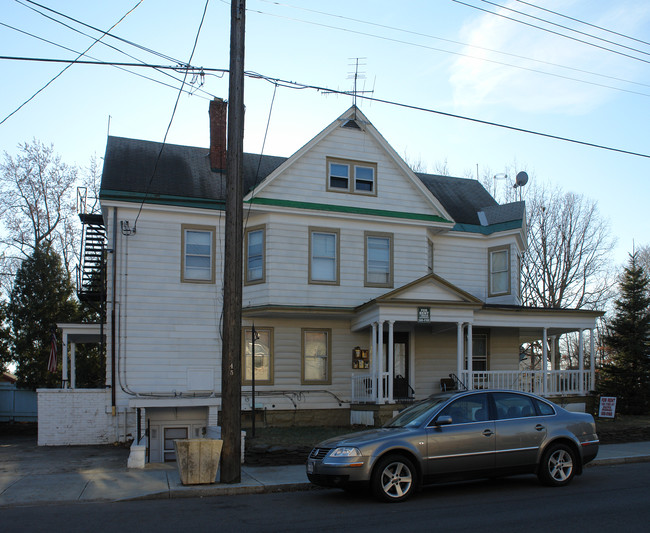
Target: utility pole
232 277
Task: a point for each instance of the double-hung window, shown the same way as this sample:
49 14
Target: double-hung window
378 259
499 271
262 364
323 256
316 358
351 176
197 243
255 255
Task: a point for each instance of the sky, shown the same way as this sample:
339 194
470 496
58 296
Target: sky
455 57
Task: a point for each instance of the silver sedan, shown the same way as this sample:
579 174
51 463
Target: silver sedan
459 435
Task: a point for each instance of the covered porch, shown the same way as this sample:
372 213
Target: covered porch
462 343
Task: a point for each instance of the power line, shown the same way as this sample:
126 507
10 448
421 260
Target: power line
171 120
90 37
528 69
585 23
552 31
120 66
592 36
68 66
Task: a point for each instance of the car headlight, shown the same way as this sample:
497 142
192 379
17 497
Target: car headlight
345 451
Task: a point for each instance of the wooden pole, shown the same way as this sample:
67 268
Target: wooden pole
232 291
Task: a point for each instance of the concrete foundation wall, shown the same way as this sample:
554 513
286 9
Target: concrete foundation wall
76 416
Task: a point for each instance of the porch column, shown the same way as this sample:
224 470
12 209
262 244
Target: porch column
459 350
581 361
554 364
391 359
380 362
592 359
468 351
544 361
373 372
64 361
73 365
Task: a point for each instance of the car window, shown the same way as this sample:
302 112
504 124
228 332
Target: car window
472 408
417 414
544 408
511 405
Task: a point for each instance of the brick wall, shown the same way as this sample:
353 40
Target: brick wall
76 416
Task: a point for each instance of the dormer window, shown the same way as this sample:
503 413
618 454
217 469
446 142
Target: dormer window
351 176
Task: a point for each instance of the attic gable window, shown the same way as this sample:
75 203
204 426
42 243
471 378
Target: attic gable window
355 177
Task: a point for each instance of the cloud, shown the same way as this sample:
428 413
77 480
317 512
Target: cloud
478 82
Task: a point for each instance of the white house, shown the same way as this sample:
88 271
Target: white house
368 285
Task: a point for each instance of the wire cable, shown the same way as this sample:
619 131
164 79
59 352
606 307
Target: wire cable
171 120
590 35
585 23
552 31
67 67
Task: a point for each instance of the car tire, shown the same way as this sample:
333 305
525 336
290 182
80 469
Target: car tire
394 479
558 466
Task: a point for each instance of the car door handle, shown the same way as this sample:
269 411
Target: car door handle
539 427
488 433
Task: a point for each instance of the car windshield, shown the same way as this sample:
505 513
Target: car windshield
417 414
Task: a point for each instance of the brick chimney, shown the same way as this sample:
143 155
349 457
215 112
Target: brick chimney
218 113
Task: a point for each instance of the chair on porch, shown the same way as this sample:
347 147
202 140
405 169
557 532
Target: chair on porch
447 384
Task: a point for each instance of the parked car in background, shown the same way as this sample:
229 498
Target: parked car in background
459 435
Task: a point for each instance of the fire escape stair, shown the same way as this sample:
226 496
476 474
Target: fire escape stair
91 279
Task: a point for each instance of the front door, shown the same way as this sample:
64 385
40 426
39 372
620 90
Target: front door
401 387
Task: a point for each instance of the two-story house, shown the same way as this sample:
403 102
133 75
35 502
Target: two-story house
368 285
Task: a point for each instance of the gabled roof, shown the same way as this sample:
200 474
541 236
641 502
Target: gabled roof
428 289
183 177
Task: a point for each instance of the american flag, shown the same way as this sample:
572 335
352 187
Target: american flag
51 362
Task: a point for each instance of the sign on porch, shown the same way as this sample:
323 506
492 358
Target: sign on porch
607 408
424 314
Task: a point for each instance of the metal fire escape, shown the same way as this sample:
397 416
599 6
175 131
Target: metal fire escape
91 274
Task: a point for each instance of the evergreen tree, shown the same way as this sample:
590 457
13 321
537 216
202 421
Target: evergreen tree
5 353
628 339
42 296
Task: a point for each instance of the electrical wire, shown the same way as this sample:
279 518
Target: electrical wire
171 120
91 37
451 41
547 30
68 66
590 35
585 23
460 54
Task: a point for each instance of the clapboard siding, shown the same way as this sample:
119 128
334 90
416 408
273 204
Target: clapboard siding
306 179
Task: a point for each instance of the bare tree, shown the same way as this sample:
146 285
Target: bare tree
37 205
567 263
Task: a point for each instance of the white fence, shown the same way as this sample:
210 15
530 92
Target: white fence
367 389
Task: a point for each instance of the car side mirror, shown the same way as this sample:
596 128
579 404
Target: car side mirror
444 420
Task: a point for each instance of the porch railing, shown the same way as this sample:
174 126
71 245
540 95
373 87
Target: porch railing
558 382
367 389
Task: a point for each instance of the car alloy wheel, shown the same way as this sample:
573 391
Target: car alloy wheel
558 466
394 479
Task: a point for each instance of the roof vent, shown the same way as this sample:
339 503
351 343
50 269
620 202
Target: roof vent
351 124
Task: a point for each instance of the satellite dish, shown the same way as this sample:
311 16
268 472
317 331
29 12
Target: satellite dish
521 179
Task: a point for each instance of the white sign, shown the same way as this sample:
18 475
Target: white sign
607 408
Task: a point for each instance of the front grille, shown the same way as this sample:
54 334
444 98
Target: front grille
319 453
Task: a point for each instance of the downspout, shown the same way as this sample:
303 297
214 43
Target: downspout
113 402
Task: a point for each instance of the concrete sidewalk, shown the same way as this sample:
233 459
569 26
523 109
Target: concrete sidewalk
90 474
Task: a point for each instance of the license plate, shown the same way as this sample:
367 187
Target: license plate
310 467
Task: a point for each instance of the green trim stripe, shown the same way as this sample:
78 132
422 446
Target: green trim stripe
348 209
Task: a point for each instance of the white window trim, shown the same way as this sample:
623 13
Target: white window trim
205 229
497 249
